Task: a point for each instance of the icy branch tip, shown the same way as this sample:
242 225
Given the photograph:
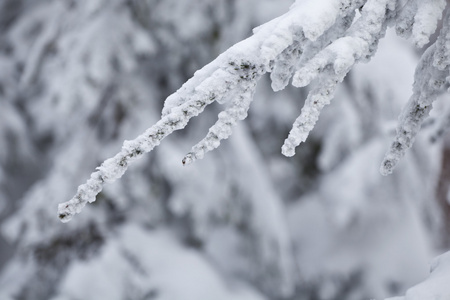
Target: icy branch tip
65 212
287 150
188 159
387 166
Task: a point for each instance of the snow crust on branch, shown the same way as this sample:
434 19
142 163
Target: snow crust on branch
237 69
418 19
316 41
331 65
431 78
236 111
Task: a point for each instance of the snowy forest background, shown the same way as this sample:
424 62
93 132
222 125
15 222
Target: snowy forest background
79 77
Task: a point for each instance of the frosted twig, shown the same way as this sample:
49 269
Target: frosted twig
111 169
332 64
429 12
235 72
321 41
430 79
237 111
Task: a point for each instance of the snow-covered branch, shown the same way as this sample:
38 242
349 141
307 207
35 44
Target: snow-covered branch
316 41
430 79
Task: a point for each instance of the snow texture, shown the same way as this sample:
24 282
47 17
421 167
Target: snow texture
82 76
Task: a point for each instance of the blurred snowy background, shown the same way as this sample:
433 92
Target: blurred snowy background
77 77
